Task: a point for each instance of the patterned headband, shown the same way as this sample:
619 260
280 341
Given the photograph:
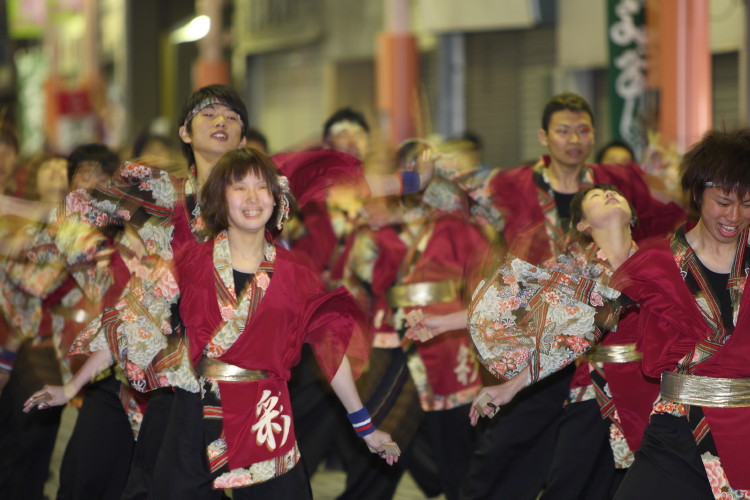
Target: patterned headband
211 101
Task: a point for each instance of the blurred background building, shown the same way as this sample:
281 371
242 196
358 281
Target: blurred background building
73 71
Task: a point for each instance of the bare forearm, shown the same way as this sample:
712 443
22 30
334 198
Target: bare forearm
95 364
343 385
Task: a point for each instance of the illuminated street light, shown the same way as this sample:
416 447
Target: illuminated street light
192 31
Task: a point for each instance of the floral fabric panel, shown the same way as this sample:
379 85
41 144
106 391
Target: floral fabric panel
528 316
718 480
233 314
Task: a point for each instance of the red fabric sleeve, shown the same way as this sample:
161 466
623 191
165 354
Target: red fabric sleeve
312 173
670 320
336 326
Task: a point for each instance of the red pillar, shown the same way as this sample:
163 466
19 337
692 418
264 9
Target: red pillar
398 75
680 68
210 67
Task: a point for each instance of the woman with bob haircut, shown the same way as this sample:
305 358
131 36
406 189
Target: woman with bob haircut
247 306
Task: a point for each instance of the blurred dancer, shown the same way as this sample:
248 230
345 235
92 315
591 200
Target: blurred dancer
421 391
47 308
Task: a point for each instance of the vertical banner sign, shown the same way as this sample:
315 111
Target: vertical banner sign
626 75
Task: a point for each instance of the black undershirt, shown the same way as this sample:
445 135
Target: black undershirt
562 202
718 283
240 280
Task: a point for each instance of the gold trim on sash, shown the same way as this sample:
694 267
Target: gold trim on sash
422 294
705 391
75 315
213 369
620 353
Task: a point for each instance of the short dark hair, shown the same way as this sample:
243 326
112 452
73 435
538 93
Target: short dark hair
565 101
720 158
253 134
232 167
223 93
344 114
94 153
409 151
614 143
576 211
145 138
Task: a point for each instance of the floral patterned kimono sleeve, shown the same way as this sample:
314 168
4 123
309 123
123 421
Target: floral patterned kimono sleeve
528 316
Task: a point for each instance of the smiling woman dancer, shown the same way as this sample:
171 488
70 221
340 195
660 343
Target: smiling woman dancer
246 307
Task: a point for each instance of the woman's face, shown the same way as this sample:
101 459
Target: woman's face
603 207
52 180
724 215
250 203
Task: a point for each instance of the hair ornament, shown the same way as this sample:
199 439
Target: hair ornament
283 214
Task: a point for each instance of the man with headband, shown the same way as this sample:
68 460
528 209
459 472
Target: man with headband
161 217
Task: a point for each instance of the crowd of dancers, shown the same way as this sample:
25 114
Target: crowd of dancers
556 330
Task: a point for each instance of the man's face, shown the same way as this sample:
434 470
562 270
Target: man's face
348 137
215 130
569 138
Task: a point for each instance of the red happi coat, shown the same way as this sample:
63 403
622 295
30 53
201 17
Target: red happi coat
295 309
675 329
528 210
453 249
633 393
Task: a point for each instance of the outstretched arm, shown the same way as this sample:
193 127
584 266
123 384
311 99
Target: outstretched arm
343 385
436 325
404 183
57 395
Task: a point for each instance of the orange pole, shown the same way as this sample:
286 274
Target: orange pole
210 67
680 68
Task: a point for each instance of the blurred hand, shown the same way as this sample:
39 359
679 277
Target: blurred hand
501 394
375 442
49 395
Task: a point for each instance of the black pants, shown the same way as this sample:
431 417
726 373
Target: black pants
437 458
182 471
583 466
150 438
97 458
515 450
27 439
667 465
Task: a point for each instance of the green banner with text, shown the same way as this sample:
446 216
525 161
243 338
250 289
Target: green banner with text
626 74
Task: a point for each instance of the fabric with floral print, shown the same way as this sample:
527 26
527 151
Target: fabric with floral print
529 316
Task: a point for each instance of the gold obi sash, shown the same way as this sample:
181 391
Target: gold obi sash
622 353
705 391
422 294
75 315
213 369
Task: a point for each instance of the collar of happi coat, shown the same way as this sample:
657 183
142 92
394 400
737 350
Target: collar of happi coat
691 270
234 313
546 197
